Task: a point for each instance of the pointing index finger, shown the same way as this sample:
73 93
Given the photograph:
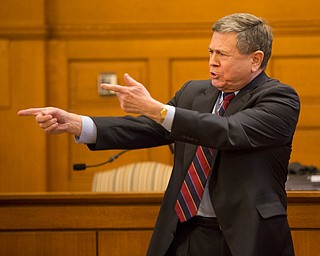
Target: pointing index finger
113 87
30 112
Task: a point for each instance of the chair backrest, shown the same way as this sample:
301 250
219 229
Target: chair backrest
135 177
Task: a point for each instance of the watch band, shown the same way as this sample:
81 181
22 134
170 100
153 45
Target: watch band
163 114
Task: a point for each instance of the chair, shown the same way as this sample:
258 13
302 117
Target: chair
135 177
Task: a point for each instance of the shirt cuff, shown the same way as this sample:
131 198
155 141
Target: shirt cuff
168 121
88 132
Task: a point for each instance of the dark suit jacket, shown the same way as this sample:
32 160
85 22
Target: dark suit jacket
252 149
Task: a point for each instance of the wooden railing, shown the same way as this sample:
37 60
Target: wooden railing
114 224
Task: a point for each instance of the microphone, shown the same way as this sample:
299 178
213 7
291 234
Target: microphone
81 166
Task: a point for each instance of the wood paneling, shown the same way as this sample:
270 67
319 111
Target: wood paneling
148 61
170 18
306 242
112 243
305 146
52 51
77 224
4 74
48 243
22 150
296 61
114 224
184 69
84 81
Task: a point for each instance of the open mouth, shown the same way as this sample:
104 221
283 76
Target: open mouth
213 75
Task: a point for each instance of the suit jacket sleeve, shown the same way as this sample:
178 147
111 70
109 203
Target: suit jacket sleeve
261 115
128 132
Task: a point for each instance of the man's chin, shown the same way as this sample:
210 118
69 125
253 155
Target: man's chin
217 84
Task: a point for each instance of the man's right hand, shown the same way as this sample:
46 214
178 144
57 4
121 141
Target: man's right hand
55 120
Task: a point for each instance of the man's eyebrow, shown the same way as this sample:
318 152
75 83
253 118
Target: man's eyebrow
217 50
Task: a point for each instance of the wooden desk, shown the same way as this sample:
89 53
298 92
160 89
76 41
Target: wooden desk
111 224
304 221
77 224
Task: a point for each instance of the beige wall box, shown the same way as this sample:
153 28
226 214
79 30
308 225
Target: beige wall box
108 78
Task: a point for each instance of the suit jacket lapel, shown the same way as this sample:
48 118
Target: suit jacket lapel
245 93
203 103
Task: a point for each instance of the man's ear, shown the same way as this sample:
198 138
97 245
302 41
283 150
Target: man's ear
257 58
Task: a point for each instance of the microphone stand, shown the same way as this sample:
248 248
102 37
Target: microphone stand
81 167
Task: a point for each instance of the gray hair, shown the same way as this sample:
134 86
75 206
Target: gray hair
253 33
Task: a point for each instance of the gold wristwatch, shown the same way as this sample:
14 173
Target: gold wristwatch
163 114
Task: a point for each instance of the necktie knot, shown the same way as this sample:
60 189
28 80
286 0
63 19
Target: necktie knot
227 97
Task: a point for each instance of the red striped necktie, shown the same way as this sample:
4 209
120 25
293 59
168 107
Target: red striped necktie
192 189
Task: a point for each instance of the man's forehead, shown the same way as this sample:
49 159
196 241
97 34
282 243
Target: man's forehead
230 36
223 41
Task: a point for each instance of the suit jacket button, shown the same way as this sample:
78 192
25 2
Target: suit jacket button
172 233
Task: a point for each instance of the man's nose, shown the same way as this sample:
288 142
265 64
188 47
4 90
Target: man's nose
214 59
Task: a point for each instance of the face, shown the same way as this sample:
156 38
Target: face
229 69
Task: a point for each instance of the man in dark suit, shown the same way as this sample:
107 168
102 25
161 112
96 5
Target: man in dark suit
242 211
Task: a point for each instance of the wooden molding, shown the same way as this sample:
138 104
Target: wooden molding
23 32
142 30
171 30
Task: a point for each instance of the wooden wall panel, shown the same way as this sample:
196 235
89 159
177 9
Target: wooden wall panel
83 95
84 81
22 84
305 144
182 70
303 79
306 242
305 76
52 51
299 67
170 18
111 243
114 223
58 164
71 243
148 61
4 74
23 146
